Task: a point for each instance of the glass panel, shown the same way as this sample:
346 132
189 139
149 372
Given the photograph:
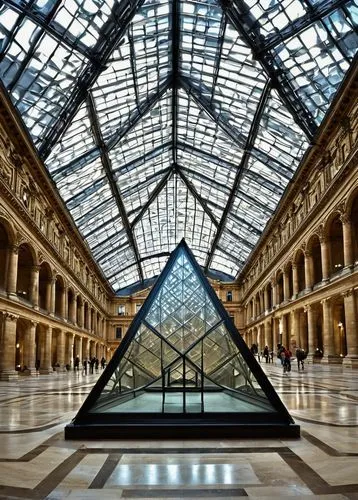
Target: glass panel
182 358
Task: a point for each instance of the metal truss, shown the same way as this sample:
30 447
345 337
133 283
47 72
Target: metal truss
111 34
238 14
106 162
247 151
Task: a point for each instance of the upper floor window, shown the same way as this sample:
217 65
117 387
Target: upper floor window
118 332
121 310
229 296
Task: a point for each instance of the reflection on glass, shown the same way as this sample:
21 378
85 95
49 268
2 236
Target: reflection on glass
182 359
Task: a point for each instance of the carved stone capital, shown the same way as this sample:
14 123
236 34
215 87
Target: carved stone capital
345 218
10 316
14 249
348 293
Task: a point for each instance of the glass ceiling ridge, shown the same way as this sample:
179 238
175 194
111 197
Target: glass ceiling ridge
111 33
237 11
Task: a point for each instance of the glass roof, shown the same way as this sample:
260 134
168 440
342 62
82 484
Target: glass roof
159 119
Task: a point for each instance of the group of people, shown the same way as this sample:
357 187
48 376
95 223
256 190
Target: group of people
283 353
89 364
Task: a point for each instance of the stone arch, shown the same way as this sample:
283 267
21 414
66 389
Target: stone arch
25 264
334 232
60 296
299 262
314 247
268 289
352 211
289 272
5 242
45 281
79 313
71 297
279 286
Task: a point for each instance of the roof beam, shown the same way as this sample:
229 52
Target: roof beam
245 158
231 166
143 108
50 26
205 105
237 261
196 195
315 13
110 35
175 32
239 16
106 162
132 165
153 195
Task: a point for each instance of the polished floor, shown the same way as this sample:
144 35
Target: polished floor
36 461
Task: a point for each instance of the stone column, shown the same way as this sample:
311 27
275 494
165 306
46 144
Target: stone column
295 280
329 355
8 347
351 320
266 299
34 286
325 258
268 334
48 298
70 339
308 272
296 326
82 315
312 332
60 355
63 302
30 347
79 348
46 364
13 255
286 287
274 293
53 297
85 348
74 310
89 319
347 240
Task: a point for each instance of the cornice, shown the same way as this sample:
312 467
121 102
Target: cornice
342 104
302 228
23 143
25 217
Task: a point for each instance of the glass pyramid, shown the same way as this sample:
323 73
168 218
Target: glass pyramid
182 361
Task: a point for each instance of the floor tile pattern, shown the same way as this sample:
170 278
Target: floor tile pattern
37 463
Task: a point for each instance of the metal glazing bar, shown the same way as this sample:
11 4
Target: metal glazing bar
111 33
106 162
205 105
196 195
143 108
245 158
50 26
237 13
316 12
153 195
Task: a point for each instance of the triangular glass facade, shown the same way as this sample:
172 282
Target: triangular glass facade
183 358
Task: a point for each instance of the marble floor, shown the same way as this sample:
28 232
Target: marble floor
37 463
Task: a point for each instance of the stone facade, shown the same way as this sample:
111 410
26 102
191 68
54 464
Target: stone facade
299 287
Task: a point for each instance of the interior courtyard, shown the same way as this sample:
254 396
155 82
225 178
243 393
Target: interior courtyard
125 128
